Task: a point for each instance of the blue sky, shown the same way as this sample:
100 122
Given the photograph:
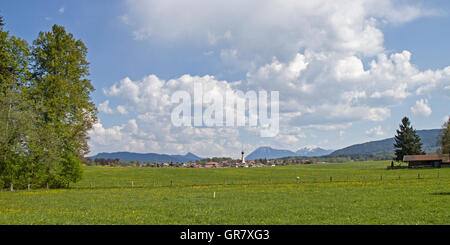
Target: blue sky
233 41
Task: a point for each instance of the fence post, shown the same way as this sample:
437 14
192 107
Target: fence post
132 184
298 179
418 176
331 178
381 177
47 186
90 184
12 187
29 187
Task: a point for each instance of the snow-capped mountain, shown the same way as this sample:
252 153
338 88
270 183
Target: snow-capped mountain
312 151
266 152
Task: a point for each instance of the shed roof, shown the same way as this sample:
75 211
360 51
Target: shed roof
430 157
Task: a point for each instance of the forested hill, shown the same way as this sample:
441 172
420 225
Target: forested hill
147 157
429 139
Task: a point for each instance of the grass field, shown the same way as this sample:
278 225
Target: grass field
356 193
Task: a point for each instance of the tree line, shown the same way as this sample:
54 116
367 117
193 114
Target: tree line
45 109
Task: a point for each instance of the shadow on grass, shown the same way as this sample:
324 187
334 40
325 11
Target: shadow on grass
109 187
441 193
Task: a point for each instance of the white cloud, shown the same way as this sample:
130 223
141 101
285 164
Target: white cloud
334 35
422 108
148 135
446 118
349 68
104 107
61 10
434 81
375 132
309 98
312 52
257 30
288 139
152 130
328 127
122 110
125 137
378 114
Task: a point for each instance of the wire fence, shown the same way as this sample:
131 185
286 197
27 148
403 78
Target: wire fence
267 181
241 181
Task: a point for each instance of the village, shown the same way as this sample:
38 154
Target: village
204 163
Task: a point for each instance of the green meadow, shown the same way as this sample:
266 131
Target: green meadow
340 193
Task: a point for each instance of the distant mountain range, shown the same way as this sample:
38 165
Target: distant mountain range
148 157
266 152
429 139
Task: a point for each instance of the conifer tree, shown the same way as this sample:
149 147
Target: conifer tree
407 142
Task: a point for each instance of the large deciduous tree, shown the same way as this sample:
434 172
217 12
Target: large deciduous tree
407 142
61 93
45 109
16 114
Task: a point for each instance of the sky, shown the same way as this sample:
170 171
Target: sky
346 71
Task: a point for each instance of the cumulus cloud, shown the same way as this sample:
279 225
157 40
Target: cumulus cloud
375 132
334 37
104 107
257 30
153 131
148 135
125 137
310 98
349 68
421 108
312 52
122 110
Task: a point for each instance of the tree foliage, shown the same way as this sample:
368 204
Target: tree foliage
444 138
16 115
45 109
61 93
407 142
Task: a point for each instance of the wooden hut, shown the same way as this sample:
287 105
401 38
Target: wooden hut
430 160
